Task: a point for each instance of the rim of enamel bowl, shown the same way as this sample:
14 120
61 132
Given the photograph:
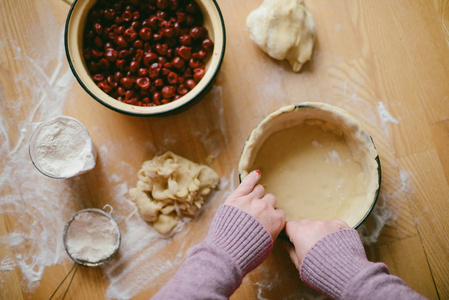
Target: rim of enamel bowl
72 42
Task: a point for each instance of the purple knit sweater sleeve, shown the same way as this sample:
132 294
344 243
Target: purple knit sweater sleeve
337 266
236 244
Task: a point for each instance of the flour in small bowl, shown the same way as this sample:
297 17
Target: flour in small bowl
91 237
61 148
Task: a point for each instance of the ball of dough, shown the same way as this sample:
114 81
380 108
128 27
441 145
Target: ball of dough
284 29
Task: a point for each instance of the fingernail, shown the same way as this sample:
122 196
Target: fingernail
258 172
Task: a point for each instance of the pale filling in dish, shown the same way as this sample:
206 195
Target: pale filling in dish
312 173
317 161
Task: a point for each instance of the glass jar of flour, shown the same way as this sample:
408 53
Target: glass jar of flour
61 147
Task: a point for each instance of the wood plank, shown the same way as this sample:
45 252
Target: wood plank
10 277
399 70
406 259
442 8
430 207
440 134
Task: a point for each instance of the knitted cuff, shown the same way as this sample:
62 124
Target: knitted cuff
333 262
241 236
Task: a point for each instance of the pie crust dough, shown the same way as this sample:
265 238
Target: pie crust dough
317 161
284 29
171 187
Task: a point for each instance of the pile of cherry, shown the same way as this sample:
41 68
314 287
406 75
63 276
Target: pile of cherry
146 52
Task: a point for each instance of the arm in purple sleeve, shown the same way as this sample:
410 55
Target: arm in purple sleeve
236 244
337 266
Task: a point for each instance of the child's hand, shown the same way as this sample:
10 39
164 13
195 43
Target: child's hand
306 233
251 198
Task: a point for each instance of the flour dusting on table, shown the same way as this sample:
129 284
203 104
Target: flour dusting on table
142 258
213 136
38 205
385 117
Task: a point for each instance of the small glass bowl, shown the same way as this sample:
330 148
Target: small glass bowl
35 127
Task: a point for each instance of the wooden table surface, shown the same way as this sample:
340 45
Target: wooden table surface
386 62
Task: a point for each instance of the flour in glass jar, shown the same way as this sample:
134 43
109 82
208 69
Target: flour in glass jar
61 147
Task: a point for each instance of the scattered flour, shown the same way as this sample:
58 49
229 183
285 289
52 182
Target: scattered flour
7 265
379 217
385 117
115 178
142 248
37 214
213 135
333 157
355 103
405 179
316 144
337 27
